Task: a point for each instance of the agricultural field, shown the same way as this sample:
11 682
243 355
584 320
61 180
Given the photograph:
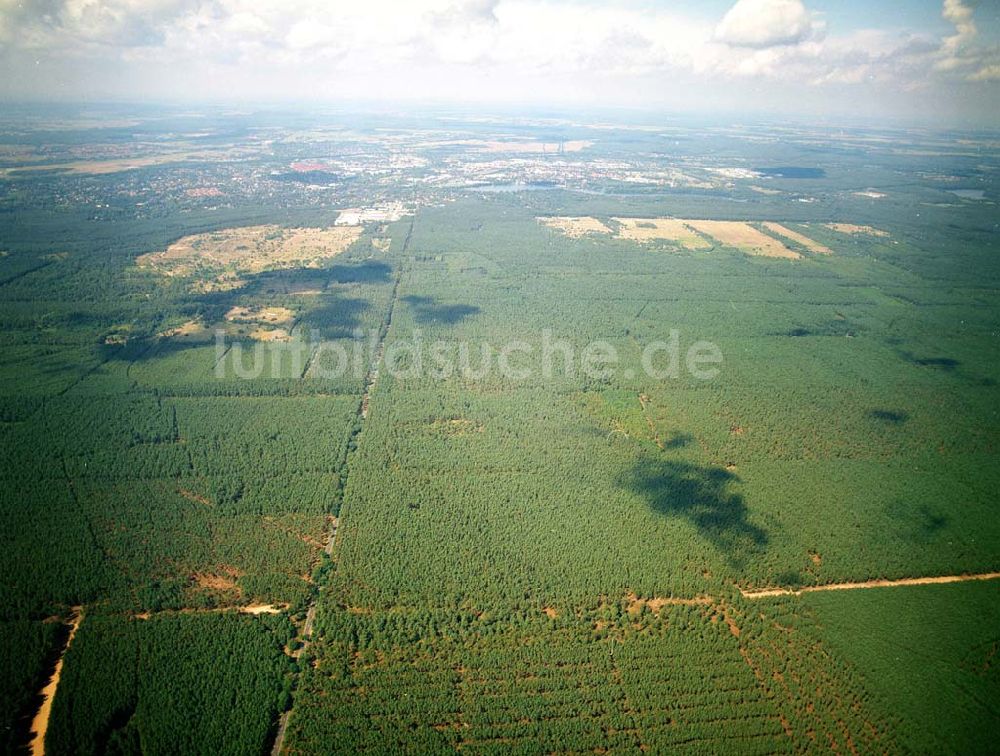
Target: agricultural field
383 439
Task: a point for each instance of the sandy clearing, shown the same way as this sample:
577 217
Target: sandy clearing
766 592
575 227
40 723
795 236
253 609
273 315
853 229
656 603
744 237
256 609
190 328
215 582
250 249
270 334
764 190
651 229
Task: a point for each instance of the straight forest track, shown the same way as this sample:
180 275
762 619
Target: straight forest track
331 537
767 592
40 722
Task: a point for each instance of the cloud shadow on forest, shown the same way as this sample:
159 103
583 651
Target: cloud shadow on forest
428 311
702 496
334 315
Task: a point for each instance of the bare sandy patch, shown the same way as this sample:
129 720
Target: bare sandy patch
575 227
853 229
744 237
656 229
637 603
40 723
249 249
190 328
269 334
795 236
764 190
261 609
272 315
224 580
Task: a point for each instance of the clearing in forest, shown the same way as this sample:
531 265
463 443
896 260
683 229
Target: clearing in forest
853 229
745 237
250 249
795 236
575 227
273 315
189 329
653 229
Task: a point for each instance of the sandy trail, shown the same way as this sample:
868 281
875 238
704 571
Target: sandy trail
40 724
765 592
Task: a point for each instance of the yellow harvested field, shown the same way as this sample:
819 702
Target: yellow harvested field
575 227
850 228
652 229
745 237
250 249
272 315
795 236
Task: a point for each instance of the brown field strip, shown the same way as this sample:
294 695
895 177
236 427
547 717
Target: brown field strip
766 592
745 237
795 236
575 227
653 229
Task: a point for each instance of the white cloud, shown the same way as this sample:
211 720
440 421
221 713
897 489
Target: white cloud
765 23
961 54
474 49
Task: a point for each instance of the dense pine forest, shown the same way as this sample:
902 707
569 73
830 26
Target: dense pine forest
279 528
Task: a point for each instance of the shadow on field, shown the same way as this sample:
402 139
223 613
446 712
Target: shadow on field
702 496
428 311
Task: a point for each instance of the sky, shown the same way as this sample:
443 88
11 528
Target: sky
933 61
